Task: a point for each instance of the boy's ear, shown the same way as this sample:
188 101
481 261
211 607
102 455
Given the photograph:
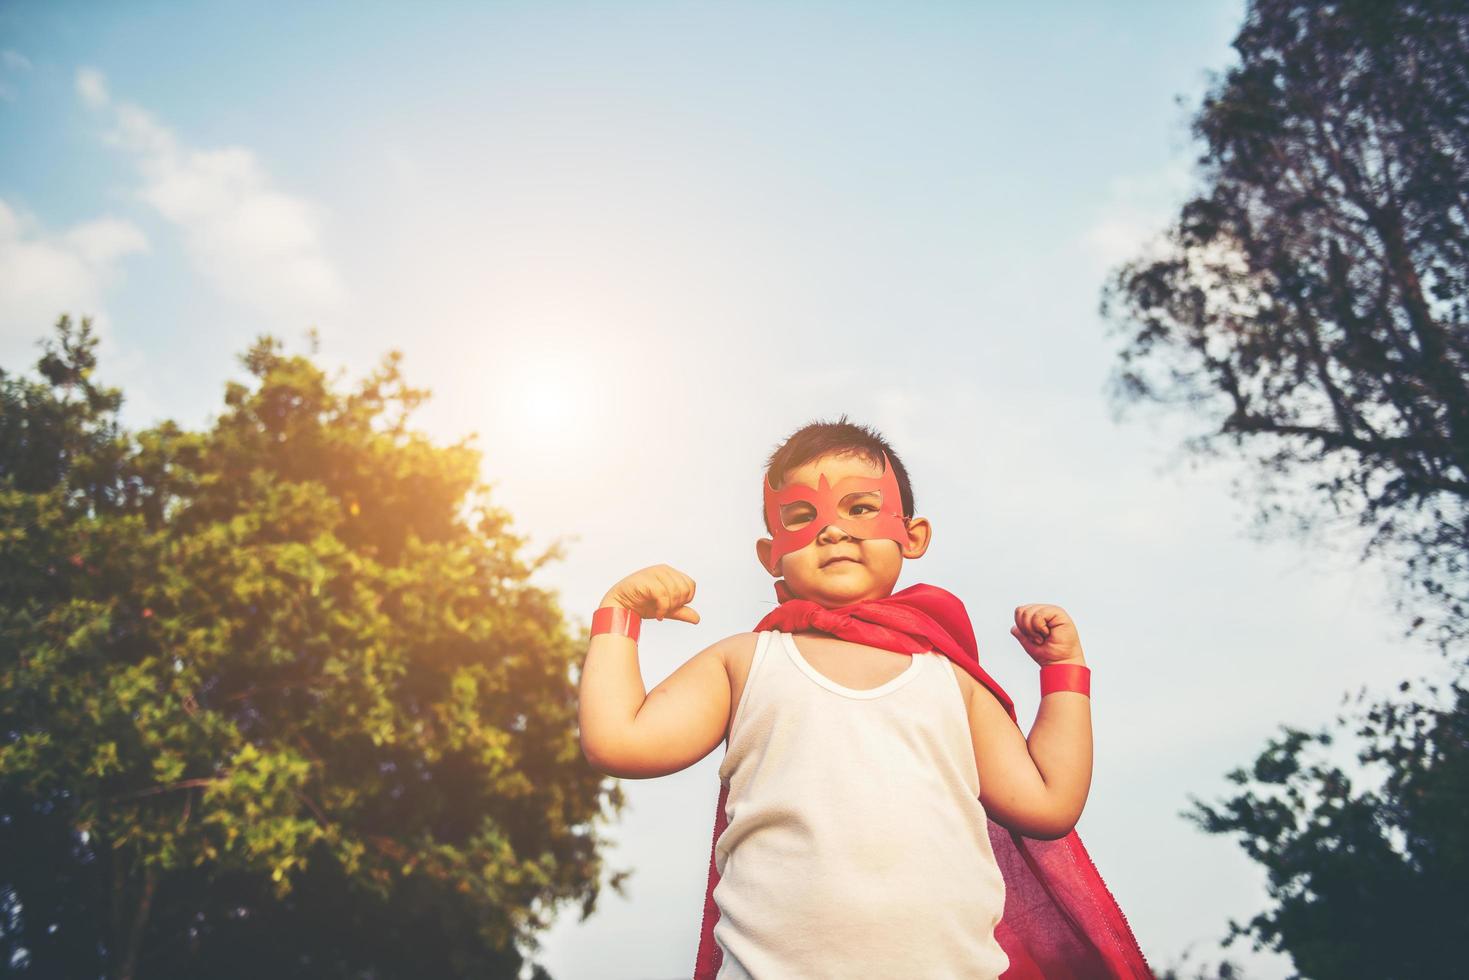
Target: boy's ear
920 533
762 551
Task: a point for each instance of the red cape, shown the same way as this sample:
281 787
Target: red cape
1060 922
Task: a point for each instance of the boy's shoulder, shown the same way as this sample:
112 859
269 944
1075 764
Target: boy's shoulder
735 646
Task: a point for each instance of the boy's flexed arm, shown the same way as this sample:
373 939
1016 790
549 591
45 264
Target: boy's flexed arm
1036 786
627 733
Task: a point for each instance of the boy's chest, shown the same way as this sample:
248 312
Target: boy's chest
854 665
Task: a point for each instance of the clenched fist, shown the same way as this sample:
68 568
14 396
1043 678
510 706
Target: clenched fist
655 592
1047 634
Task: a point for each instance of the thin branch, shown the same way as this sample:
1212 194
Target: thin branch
182 784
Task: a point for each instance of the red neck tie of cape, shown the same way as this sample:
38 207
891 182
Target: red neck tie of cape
1060 921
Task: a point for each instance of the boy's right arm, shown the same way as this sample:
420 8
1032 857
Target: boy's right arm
630 734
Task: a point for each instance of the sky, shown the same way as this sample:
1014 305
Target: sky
633 246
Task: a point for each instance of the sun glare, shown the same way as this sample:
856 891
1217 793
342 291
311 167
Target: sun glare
548 408
545 401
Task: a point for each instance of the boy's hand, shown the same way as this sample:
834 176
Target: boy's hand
1047 634
655 592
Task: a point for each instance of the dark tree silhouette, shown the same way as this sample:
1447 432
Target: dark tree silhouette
1365 882
1316 290
1314 294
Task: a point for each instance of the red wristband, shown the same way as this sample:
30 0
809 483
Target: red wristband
1066 677
615 619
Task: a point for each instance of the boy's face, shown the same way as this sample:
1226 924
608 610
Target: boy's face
837 568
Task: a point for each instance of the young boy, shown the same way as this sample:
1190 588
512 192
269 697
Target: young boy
869 757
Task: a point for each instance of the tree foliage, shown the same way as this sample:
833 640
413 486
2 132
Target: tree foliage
1315 290
276 698
1365 882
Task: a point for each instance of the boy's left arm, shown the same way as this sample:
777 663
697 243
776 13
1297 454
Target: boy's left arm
1036 786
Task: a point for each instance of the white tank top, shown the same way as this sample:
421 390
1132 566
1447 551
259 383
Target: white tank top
856 844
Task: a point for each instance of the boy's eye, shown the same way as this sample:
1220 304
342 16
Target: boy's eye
794 518
864 503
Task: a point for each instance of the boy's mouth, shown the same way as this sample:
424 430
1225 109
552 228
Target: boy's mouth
832 561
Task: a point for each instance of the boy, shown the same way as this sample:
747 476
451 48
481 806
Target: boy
868 754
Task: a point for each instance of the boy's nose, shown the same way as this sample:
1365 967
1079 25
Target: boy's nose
826 534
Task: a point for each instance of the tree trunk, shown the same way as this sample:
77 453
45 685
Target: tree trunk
127 941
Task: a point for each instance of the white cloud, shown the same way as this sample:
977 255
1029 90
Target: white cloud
1136 211
257 244
92 87
43 275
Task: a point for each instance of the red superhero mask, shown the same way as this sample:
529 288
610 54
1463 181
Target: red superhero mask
866 507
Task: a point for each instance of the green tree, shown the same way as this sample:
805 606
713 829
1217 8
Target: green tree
276 698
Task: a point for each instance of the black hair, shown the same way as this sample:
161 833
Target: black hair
817 439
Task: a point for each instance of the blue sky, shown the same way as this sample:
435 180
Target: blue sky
633 246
